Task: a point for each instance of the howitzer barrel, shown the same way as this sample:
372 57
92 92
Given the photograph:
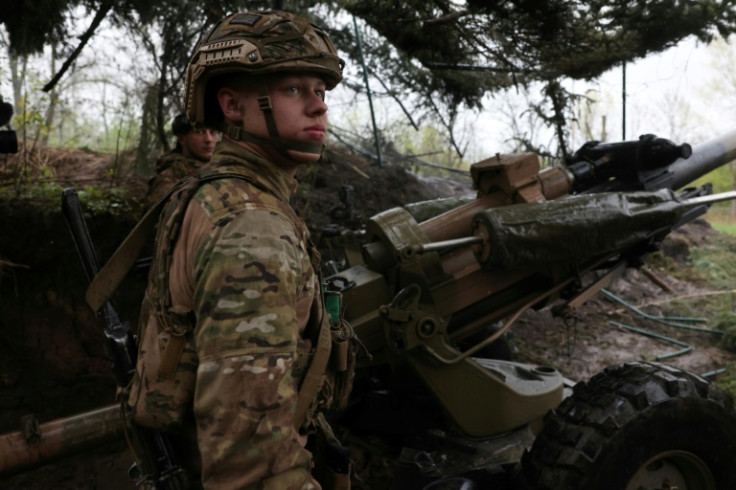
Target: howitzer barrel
41 444
706 157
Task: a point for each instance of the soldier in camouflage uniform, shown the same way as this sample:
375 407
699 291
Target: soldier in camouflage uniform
194 147
233 350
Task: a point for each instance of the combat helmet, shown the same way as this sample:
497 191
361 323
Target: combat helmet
181 125
257 43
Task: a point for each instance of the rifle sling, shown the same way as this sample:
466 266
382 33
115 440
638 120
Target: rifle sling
108 279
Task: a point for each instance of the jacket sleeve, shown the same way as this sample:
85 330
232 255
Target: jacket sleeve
246 283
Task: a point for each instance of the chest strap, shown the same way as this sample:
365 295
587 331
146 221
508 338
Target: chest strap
314 377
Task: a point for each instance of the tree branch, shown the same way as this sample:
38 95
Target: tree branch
398 101
99 16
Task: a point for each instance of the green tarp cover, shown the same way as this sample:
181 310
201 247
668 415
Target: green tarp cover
424 210
576 228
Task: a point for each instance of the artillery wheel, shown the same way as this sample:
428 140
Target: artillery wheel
639 426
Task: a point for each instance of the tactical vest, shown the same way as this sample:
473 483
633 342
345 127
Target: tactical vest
161 392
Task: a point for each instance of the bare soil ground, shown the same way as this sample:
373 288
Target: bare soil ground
52 363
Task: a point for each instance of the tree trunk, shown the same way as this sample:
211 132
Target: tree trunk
18 78
51 109
732 168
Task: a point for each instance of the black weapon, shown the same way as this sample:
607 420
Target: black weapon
156 466
649 163
642 163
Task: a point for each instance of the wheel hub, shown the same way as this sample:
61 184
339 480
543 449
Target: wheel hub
673 470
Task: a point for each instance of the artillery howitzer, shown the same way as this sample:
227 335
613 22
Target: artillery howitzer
434 290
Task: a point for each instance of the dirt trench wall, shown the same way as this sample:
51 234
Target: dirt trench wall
52 362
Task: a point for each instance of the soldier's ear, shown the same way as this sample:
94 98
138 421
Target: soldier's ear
231 104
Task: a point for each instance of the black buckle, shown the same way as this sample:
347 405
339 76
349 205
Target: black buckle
233 132
264 102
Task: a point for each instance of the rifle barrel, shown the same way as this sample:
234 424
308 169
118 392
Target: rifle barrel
72 210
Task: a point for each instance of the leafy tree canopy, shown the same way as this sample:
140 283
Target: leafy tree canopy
470 48
506 41
440 54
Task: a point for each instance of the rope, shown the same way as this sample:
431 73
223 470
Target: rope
685 347
672 321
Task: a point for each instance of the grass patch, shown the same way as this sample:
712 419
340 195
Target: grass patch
727 379
712 266
716 261
728 228
722 218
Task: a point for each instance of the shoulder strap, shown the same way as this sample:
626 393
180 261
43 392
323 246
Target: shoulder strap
108 279
314 377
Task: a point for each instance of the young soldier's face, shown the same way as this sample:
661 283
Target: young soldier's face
199 143
299 111
299 108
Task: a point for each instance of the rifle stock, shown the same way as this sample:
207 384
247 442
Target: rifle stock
157 467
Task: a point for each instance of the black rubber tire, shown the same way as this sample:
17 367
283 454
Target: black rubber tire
603 434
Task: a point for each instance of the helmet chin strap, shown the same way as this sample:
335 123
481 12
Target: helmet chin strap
274 140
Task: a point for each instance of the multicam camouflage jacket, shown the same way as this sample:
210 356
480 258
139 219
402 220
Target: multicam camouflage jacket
170 168
240 287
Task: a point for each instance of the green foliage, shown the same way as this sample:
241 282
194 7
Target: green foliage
439 57
430 145
712 266
32 24
716 261
106 200
727 379
722 179
489 45
97 200
41 191
726 323
728 228
29 119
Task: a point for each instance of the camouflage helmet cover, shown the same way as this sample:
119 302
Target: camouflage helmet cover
257 43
